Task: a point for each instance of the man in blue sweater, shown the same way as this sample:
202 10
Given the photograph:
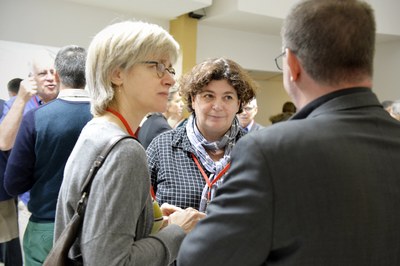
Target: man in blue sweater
40 87
42 146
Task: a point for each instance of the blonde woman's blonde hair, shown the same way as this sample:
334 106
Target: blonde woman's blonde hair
122 45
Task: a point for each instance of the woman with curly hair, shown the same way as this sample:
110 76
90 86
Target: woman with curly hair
188 164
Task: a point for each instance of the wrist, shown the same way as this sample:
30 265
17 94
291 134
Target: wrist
21 99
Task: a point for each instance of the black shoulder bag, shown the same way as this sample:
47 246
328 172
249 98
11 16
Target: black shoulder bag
58 255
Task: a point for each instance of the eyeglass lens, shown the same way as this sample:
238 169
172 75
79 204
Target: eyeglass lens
161 68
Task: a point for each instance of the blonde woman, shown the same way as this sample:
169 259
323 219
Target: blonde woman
129 72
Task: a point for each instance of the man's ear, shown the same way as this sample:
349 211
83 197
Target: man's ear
293 65
117 77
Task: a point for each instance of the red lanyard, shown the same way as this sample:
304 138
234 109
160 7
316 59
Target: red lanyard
210 184
153 195
123 120
36 101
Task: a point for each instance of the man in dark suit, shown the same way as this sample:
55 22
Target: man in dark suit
324 187
246 118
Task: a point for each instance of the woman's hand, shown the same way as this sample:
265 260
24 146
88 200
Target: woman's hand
168 209
187 219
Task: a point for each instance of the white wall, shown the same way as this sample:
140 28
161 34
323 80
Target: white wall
27 25
253 51
386 16
387 71
57 23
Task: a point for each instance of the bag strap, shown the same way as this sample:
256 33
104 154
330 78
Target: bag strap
98 162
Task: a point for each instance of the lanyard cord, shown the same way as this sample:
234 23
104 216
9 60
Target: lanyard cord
37 103
153 195
128 128
210 184
123 120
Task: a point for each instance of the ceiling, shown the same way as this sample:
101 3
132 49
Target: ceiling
211 15
161 9
230 14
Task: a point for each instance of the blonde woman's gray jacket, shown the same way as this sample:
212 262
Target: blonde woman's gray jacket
119 214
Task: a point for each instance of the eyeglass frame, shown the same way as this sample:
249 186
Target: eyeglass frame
277 58
160 68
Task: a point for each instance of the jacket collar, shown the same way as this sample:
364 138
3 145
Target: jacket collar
349 98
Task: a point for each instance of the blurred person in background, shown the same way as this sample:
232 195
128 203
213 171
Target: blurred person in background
38 88
246 118
288 110
174 113
13 86
42 146
395 110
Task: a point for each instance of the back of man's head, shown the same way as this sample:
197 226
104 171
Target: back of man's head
333 39
70 66
13 86
288 107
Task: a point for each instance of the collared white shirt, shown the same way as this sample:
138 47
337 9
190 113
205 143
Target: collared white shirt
74 95
249 126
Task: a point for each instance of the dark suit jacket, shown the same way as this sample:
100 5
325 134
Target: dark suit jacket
324 190
256 127
155 124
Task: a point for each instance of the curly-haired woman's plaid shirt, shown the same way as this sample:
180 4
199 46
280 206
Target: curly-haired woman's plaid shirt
174 175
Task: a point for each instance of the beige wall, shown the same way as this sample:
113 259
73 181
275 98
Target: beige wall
387 71
270 99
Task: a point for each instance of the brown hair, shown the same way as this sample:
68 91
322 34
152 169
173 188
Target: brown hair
333 39
202 74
